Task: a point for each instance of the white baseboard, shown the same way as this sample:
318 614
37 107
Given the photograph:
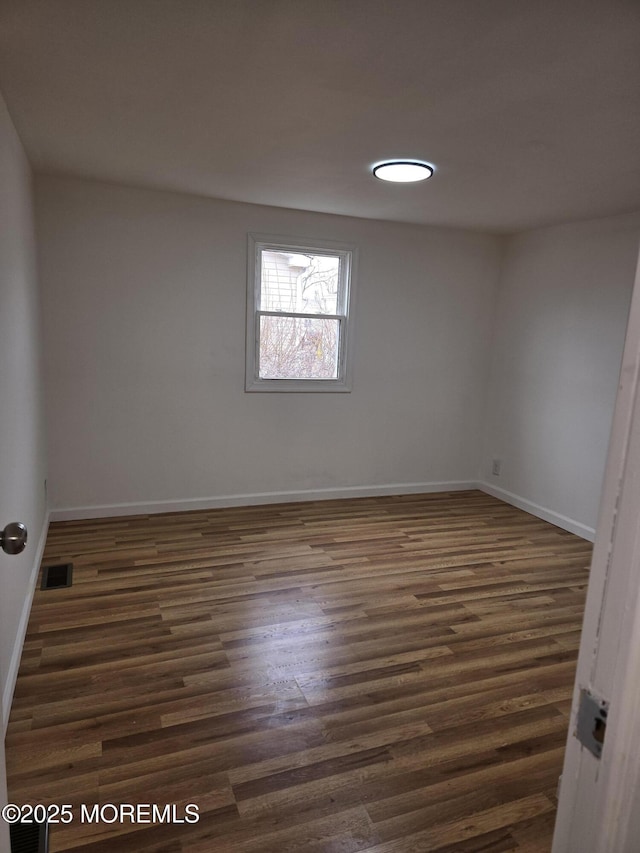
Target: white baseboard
300 495
542 512
16 654
257 498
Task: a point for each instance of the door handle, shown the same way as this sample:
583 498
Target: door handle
13 538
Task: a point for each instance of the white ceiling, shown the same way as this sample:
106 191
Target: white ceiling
530 109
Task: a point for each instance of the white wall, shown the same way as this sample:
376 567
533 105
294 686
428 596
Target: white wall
144 304
144 301
560 322
22 468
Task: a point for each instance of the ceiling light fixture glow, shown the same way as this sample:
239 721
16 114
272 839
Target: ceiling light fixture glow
403 171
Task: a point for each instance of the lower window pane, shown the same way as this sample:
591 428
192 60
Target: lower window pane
298 348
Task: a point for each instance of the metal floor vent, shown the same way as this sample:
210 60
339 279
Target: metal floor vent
55 577
29 837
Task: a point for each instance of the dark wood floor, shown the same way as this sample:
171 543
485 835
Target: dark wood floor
389 674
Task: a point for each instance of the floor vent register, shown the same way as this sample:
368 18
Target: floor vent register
56 577
29 837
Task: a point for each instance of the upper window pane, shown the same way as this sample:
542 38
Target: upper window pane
299 283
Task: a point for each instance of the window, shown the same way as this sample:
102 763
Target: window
299 296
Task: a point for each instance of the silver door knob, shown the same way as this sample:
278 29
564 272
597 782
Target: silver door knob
13 538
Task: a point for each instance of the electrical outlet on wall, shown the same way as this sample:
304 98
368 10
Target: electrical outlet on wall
495 467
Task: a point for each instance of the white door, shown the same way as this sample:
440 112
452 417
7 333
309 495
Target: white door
599 807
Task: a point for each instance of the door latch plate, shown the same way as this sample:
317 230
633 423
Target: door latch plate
592 721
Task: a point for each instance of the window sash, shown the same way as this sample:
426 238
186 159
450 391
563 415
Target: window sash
344 270
340 363
301 314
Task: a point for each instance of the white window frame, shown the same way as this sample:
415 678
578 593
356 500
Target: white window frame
348 262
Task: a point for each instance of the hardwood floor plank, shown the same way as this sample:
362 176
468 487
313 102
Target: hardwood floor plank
468 827
379 674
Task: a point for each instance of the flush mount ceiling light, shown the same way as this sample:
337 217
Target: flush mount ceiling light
403 171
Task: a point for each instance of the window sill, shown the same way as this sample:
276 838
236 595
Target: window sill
288 386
